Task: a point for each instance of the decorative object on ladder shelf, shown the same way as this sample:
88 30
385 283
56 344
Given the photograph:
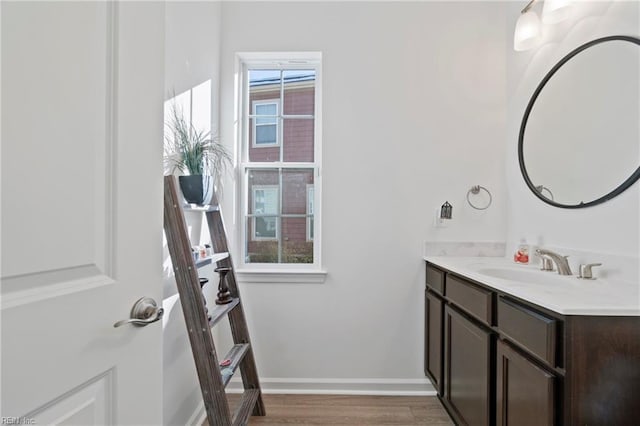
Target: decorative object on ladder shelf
203 281
224 296
187 149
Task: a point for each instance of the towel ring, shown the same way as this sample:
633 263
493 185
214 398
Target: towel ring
475 190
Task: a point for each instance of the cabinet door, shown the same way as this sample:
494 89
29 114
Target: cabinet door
433 339
525 392
467 368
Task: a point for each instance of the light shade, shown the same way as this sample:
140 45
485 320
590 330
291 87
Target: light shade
554 11
527 33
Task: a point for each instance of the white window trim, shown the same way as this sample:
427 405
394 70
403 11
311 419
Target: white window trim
263 272
254 133
255 188
310 188
273 276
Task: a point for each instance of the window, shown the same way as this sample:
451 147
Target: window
310 198
265 208
265 126
280 162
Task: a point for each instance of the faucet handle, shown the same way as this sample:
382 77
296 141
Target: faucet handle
585 271
547 263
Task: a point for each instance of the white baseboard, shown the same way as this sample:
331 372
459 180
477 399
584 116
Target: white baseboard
382 387
388 387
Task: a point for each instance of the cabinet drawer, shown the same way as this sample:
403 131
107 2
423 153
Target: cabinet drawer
473 299
535 332
435 279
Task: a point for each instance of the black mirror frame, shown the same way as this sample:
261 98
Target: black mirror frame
617 191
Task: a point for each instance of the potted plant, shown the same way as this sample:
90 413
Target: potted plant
197 153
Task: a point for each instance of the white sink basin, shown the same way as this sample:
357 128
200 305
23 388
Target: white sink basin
522 275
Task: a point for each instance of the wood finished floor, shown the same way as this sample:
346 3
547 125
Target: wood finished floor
349 410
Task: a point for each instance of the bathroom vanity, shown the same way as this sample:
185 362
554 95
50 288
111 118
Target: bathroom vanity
512 345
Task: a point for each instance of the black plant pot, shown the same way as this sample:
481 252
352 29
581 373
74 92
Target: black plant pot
197 189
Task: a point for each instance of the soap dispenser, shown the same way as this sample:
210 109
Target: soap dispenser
522 253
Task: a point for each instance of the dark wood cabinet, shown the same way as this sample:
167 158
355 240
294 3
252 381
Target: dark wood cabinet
532 330
474 300
602 385
435 279
496 359
525 393
468 372
433 339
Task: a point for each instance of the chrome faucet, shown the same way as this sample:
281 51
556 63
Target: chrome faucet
561 261
546 263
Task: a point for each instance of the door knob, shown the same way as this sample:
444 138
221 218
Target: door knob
144 311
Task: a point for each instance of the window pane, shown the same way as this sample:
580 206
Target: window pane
260 120
263 193
299 92
265 200
265 228
295 184
279 220
263 220
264 142
310 218
266 135
264 84
264 127
264 103
295 247
298 139
266 109
260 251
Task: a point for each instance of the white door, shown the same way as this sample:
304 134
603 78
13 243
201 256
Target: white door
82 122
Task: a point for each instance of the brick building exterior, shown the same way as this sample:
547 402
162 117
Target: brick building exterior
281 128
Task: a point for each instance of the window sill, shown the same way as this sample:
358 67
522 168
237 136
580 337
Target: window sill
281 276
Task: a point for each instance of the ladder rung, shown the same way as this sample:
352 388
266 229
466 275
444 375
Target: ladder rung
245 408
208 260
221 310
236 354
197 208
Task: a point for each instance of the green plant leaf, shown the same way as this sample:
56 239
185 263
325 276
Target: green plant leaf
193 151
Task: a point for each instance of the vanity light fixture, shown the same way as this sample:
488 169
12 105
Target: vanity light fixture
529 28
554 11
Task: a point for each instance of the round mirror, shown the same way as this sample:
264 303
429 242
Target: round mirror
579 141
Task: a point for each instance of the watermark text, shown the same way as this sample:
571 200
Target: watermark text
17 421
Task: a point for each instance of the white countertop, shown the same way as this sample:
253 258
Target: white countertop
566 295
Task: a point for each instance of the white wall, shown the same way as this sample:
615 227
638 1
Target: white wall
192 52
413 114
610 228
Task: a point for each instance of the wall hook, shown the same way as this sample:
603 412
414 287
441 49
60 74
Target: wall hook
541 188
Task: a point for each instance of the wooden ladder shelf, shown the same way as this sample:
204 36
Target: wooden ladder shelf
213 378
